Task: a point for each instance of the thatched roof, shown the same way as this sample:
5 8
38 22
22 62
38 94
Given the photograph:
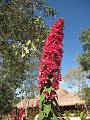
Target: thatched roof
64 99
67 99
25 103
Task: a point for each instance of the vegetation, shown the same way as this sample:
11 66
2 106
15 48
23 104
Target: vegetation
76 113
83 115
84 58
67 115
86 95
22 35
75 77
49 73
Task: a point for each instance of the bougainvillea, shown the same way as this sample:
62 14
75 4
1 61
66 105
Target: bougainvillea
49 73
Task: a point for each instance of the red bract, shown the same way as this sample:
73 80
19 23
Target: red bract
37 103
40 85
55 85
51 96
60 119
51 60
46 94
48 67
58 24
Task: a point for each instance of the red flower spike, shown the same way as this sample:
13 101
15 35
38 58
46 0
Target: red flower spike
52 56
49 73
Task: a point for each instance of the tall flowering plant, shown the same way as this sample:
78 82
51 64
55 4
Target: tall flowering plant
49 74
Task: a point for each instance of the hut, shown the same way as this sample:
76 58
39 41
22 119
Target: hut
66 101
69 101
29 106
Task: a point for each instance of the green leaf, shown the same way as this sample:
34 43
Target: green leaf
42 97
83 116
41 116
47 109
49 90
54 117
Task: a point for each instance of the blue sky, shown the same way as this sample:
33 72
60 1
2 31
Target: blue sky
76 14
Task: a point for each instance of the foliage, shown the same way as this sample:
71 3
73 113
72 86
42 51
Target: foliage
75 77
29 87
86 95
84 58
6 97
76 112
7 92
49 74
31 118
22 35
67 115
83 115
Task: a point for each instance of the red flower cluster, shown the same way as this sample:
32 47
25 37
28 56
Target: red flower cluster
51 59
60 118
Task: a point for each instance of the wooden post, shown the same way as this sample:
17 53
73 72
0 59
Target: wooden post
1 116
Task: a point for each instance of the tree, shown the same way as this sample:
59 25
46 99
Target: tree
22 29
75 77
84 58
85 93
30 88
22 32
6 97
7 91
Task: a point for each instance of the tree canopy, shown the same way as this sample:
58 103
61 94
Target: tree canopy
75 77
22 34
85 94
84 58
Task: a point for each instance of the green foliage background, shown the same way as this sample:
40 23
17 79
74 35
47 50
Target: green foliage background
22 34
84 58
